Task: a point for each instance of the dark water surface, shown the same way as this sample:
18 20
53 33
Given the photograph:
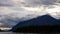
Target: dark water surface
16 33
25 33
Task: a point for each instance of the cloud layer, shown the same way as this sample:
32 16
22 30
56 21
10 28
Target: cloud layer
13 11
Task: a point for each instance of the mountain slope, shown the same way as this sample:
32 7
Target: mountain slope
35 24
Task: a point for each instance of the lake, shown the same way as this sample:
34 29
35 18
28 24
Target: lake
25 33
16 33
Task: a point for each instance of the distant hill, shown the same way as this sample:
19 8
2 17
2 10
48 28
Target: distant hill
39 24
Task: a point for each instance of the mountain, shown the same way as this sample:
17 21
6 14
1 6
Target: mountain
42 23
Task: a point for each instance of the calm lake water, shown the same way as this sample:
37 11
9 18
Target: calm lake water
25 33
16 33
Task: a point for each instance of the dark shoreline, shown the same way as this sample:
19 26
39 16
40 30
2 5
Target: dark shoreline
38 29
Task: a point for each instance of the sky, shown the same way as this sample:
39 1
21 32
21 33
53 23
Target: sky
14 11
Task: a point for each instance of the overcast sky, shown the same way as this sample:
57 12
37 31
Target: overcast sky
13 11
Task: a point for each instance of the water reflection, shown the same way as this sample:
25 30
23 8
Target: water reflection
25 33
15 33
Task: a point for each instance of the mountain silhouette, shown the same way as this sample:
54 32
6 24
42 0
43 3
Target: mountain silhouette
42 23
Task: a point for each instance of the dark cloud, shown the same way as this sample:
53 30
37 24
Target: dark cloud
48 2
6 3
39 2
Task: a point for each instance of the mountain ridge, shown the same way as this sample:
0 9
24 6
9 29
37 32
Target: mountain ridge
45 20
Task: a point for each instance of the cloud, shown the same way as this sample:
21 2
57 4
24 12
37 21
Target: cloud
13 11
27 2
6 3
38 2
